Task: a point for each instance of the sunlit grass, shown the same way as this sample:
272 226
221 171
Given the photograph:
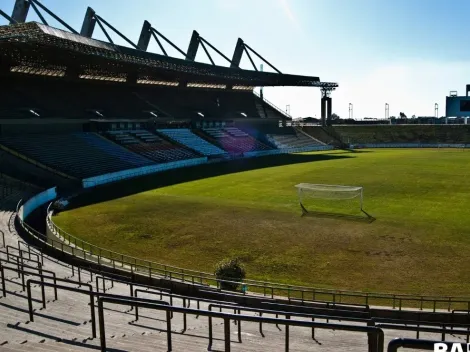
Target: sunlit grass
418 244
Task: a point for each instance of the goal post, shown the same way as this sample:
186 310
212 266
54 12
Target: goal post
329 192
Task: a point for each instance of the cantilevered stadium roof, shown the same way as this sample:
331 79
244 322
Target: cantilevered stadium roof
38 45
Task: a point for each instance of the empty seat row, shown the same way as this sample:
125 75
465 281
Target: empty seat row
299 140
78 154
234 140
186 137
151 146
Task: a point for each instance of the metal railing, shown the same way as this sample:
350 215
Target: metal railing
277 313
376 343
373 328
88 251
90 293
273 105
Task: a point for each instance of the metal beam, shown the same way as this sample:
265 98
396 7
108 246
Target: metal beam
193 46
8 18
89 23
215 49
207 53
43 20
159 43
20 11
144 38
262 58
168 41
237 54
53 15
104 30
101 19
249 56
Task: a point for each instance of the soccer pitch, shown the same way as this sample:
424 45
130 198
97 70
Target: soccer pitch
418 244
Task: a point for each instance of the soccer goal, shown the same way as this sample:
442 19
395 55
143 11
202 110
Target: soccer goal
330 192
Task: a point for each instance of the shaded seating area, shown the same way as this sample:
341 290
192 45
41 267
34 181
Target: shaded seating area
186 137
293 140
234 140
78 154
150 146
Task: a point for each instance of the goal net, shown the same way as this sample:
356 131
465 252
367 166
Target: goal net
330 193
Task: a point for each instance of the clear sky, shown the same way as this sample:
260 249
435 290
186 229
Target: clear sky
408 53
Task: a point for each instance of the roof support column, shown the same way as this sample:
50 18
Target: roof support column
88 23
237 54
20 11
193 46
144 38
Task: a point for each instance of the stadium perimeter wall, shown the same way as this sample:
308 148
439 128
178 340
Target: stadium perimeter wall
146 170
37 201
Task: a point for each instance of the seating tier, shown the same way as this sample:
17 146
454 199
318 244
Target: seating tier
186 137
78 154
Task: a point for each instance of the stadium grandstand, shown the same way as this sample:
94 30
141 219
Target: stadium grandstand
140 114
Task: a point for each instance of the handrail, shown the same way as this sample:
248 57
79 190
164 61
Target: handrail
395 344
376 345
88 292
196 277
23 272
20 254
273 105
135 301
289 314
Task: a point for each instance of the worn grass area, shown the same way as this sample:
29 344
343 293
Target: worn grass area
419 243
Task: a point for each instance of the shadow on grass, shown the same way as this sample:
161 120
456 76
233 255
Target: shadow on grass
145 183
358 218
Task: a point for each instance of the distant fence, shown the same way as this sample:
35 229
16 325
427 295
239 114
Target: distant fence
409 145
287 150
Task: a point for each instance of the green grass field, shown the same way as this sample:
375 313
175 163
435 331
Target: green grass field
418 244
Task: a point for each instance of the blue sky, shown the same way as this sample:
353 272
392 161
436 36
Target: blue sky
408 53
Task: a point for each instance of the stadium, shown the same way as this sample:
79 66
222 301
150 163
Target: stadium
128 177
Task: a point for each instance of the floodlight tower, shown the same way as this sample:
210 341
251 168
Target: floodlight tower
351 111
326 104
387 112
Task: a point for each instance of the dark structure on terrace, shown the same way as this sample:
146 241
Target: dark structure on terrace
73 55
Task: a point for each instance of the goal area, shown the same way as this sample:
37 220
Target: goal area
330 192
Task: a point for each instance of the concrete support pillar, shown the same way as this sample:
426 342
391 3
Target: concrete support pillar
324 101
329 111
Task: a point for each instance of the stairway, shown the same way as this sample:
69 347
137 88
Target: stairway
298 131
260 108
